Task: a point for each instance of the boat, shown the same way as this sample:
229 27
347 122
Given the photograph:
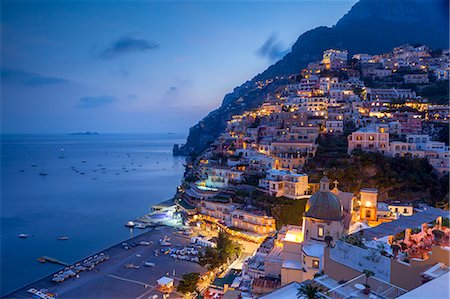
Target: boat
43 172
61 156
63 238
33 165
23 236
41 259
140 225
130 224
83 161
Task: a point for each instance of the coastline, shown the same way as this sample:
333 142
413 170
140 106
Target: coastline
113 269
94 206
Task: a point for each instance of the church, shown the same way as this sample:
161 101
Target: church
298 253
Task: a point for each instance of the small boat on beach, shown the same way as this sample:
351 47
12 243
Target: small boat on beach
23 236
165 241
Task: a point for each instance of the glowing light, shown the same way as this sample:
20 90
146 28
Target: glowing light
295 236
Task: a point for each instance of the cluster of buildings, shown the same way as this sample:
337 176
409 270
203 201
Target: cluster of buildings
343 236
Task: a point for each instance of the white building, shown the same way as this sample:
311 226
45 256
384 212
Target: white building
285 183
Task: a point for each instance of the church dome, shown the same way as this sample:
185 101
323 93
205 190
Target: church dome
324 204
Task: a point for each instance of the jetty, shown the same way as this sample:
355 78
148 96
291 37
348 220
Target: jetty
55 261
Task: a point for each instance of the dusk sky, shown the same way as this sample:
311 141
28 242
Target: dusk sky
124 67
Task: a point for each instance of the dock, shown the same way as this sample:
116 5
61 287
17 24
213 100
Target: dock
55 261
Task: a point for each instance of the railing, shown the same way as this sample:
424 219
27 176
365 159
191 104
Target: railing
385 289
378 289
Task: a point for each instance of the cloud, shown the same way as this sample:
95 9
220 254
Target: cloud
95 102
272 49
28 78
172 89
127 45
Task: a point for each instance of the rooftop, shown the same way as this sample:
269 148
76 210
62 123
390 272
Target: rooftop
186 205
403 223
291 264
313 249
437 288
227 279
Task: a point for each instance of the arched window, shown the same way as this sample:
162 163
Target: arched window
368 213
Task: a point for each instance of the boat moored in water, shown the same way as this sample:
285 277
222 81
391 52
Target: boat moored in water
23 236
130 224
63 238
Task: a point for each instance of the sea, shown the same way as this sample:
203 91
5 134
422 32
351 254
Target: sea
94 185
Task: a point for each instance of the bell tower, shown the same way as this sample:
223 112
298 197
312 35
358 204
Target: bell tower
368 206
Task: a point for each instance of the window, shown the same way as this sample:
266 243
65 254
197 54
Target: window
371 138
320 231
316 264
405 210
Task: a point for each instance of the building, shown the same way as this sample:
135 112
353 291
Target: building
403 253
388 94
373 138
334 126
416 78
401 209
232 216
334 59
285 183
442 73
368 205
252 221
363 58
420 146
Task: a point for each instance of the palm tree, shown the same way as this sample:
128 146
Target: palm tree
308 291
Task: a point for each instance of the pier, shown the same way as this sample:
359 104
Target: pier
55 261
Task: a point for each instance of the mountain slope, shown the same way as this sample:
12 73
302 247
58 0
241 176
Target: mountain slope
371 26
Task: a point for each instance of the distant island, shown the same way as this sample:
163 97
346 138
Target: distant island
84 133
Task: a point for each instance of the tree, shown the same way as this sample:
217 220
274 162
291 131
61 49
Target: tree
225 251
189 283
368 274
307 290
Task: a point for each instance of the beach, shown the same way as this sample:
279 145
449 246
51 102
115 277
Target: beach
111 279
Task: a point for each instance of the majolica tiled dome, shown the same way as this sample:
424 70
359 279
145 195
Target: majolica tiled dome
324 204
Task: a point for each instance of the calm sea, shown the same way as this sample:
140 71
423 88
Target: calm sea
123 176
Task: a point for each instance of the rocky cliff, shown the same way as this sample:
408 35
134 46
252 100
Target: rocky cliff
371 26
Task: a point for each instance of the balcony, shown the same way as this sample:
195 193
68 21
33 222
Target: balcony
379 289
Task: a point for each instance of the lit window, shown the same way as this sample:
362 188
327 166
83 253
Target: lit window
316 264
320 232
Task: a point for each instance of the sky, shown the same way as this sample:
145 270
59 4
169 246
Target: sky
135 66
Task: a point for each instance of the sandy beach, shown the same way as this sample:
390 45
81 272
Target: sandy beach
110 279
